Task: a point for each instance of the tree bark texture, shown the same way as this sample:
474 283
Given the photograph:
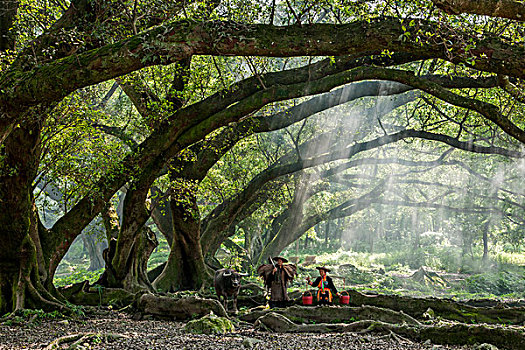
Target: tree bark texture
95 248
26 261
444 308
185 268
495 8
452 334
179 309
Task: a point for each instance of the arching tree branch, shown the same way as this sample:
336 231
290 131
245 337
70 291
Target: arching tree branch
494 8
179 40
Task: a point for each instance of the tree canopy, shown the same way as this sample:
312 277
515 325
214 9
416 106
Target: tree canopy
140 104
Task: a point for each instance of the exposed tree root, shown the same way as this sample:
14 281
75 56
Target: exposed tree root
332 314
242 300
179 309
495 303
44 300
77 340
95 295
444 308
397 338
451 334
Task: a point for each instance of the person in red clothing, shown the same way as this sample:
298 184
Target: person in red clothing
326 286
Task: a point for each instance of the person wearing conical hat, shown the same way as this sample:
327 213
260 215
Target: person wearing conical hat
276 276
326 288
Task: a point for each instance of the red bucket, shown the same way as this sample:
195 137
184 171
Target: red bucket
308 299
344 299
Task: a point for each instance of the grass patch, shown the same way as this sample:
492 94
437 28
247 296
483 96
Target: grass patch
80 275
502 278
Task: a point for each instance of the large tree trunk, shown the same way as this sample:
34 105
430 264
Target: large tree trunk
95 248
126 268
136 277
185 268
133 277
161 214
111 222
24 258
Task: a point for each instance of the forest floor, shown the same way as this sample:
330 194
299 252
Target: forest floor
114 330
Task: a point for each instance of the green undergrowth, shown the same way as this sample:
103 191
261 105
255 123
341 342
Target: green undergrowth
80 275
493 284
497 279
497 285
160 254
35 317
448 259
30 316
390 272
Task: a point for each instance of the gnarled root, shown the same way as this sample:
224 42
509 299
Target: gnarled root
336 314
77 340
95 295
444 308
180 309
451 334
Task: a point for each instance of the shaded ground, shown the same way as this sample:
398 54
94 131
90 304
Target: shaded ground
154 334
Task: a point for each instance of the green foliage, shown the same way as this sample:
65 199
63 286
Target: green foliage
497 283
77 277
30 316
85 137
160 254
390 273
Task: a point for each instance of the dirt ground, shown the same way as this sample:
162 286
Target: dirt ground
155 334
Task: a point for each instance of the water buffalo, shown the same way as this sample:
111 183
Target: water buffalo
227 283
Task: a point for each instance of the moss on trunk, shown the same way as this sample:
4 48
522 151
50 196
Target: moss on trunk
185 268
24 263
133 276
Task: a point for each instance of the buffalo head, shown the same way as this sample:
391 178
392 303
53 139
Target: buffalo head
227 283
233 277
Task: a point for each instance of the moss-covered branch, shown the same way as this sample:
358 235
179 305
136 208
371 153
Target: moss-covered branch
494 8
171 42
222 215
209 151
